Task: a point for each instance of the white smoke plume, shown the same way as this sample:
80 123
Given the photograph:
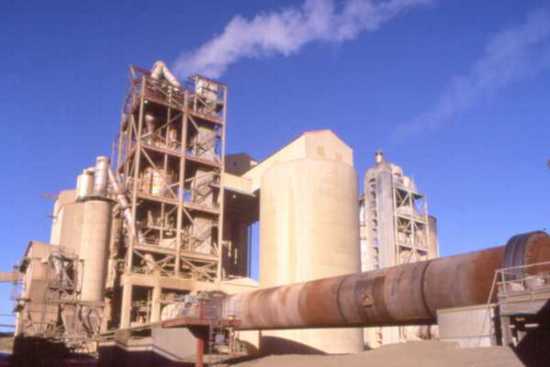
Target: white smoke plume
286 31
513 55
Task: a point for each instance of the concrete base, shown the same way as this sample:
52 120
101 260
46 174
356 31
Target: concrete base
470 327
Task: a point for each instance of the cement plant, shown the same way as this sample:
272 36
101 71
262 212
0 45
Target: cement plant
149 258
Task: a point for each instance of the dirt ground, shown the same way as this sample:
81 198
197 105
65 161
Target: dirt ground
6 343
417 354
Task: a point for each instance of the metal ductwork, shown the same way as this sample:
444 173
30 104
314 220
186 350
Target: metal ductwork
161 71
101 178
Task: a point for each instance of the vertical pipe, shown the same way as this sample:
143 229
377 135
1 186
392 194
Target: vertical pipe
128 145
155 304
126 305
181 183
199 362
165 164
137 158
200 352
221 192
120 138
101 176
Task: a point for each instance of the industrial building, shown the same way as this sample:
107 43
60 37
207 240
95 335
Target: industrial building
149 257
395 229
169 215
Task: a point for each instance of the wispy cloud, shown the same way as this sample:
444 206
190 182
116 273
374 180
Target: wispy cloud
512 55
286 31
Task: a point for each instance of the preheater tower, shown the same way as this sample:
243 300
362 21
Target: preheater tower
396 229
169 158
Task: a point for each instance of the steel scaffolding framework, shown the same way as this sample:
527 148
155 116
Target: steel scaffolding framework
409 216
169 158
411 224
395 229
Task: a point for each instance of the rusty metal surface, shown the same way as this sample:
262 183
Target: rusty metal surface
190 322
402 295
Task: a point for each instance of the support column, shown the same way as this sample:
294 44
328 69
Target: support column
126 307
155 307
506 331
201 338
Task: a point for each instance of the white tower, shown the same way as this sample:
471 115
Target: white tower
395 229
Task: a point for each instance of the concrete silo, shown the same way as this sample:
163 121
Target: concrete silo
309 229
96 226
81 227
94 246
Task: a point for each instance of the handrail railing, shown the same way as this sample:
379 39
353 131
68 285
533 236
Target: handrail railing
516 279
204 96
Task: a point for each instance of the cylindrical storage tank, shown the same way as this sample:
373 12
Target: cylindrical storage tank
309 229
84 184
96 226
101 175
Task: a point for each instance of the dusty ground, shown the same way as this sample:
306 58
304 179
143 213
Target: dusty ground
6 343
414 354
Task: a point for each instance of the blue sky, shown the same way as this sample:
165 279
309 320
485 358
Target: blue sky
457 92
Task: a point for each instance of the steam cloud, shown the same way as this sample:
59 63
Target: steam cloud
286 31
514 54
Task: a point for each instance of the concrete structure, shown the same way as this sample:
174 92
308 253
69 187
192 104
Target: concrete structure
238 164
170 215
47 283
308 225
470 327
96 226
309 228
395 229
151 237
67 218
149 228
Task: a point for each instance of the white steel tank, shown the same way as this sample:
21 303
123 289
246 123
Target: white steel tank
84 184
309 229
101 176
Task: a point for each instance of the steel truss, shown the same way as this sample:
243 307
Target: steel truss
169 158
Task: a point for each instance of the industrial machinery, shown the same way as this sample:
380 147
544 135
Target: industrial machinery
407 294
395 229
150 251
154 214
63 293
